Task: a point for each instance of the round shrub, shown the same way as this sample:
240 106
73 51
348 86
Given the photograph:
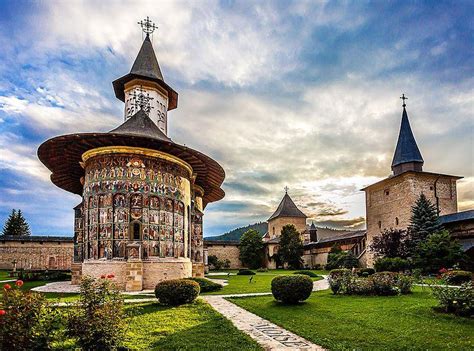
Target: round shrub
292 289
245 271
457 277
308 273
177 291
207 285
385 283
404 283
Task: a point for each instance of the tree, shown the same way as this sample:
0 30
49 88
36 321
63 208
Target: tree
390 243
291 247
438 251
16 224
341 259
251 249
424 220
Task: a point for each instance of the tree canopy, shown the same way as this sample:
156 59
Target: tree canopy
291 247
251 249
391 243
16 224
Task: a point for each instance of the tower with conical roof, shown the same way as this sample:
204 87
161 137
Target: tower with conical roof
143 195
389 201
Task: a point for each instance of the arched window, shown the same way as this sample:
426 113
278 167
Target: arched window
396 220
380 224
135 231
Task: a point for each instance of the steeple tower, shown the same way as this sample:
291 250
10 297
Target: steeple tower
407 156
144 88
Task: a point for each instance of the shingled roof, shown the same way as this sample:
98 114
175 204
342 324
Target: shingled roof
146 67
140 125
406 151
287 208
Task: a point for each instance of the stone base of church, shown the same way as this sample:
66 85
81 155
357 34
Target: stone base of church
198 270
136 275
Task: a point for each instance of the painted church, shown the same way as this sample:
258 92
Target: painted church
143 195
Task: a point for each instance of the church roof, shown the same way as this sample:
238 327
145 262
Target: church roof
406 150
287 208
141 125
146 67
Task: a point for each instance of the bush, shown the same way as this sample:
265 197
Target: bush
339 280
206 285
27 321
177 292
384 283
261 270
291 289
308 273
459 301
387 264
457 277
404 283
341 259
97 321
360 272
245 271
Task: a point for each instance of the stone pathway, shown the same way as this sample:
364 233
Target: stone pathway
58 287
270 336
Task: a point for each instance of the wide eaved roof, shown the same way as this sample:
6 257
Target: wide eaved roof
287 208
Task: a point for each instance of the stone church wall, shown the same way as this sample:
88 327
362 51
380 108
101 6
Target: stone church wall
275 225
28 254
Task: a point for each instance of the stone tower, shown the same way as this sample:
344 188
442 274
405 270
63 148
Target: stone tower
286 213
389 201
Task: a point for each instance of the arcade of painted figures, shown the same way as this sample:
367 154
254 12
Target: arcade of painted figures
143 195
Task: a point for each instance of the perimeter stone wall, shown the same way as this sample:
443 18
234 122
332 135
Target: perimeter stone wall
225 251
51 255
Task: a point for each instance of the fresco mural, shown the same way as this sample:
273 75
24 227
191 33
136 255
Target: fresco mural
131 202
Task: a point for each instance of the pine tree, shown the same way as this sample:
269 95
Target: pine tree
424 220
16 224
291 247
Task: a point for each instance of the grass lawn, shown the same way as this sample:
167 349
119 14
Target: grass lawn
368 323
241 284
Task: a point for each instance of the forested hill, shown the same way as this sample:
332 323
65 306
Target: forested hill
234 235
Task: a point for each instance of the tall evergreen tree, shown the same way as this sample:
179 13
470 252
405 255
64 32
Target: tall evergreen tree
424 220
16 224
291 247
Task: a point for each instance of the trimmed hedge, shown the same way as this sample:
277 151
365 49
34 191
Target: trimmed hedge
245 271
364 272
292 289
308 273
177 291
388 264
457 277
207 285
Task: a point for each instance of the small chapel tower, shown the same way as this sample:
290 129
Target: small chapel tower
144 87
389 201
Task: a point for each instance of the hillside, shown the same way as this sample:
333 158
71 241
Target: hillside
235 234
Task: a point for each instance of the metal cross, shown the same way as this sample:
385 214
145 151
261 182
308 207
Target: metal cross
141 101
403 98
148 26
286 189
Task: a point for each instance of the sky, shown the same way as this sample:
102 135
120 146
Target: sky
303 94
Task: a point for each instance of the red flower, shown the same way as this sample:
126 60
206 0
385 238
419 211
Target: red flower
2 312
443 270
19 283
7 287
110 276
102 276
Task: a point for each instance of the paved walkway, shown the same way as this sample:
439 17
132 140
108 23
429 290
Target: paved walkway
270 336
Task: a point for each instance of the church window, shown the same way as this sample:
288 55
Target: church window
396 220
380 224
135 232
431 188
273 231
387 192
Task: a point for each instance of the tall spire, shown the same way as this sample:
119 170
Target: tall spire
407 156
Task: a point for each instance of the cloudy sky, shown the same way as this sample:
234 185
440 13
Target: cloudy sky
302 94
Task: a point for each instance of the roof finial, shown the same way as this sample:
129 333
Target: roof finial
148 27
403 98
286 189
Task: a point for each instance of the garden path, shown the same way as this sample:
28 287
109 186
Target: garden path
270 336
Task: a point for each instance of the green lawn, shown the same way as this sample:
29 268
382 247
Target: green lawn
241 284
368 323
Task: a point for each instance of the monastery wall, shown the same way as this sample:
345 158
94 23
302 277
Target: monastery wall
225 252
51 255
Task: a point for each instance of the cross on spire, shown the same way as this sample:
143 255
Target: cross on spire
286 189
403 98
148 27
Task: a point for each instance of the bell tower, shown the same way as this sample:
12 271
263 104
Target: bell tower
144 88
